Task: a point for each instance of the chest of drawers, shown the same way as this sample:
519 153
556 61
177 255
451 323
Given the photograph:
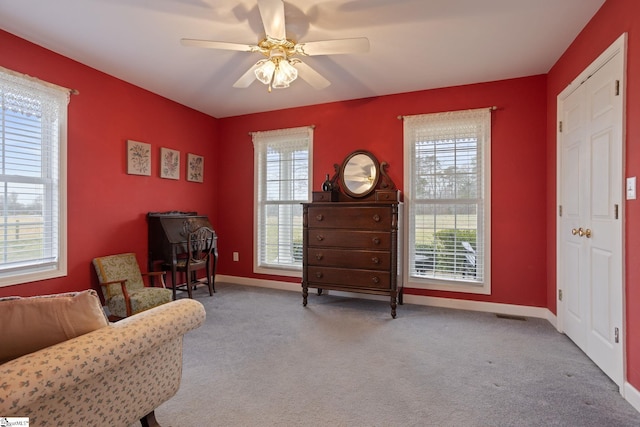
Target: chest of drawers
352 247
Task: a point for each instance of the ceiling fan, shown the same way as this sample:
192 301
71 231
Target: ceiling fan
279 69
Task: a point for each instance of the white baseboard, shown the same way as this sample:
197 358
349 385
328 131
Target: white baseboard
490 307
261 283
632 395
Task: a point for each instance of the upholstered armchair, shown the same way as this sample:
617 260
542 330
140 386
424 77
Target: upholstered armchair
123 288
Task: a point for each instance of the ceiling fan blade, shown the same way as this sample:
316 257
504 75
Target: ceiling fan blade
210 44
333 47
272 13
311 76
247 78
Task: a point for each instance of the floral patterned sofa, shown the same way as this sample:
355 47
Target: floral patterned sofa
112 376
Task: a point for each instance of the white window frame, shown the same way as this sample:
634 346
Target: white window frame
47 102
412 124
292 138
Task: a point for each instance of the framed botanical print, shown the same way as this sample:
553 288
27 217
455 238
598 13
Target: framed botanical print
169 163
195 168
138 158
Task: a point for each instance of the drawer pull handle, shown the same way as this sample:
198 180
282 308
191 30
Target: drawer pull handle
320 237
319 274
319 257
375 260
376 241
319 217
376 218
375 279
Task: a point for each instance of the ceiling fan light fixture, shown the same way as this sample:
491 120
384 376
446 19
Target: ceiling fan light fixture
277 72
285 73
265 71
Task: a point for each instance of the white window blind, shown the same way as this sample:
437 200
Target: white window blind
448 221
33 117
282 171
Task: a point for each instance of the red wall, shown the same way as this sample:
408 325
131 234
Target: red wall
614 18
518 171
107 207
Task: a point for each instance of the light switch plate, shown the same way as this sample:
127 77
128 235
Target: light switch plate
631 188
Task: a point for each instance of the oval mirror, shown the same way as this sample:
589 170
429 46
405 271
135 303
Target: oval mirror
360 173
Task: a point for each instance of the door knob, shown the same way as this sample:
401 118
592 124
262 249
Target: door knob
582 232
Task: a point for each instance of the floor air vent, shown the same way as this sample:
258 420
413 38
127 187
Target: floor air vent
510 317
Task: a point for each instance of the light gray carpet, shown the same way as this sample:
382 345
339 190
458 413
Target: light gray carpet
261 359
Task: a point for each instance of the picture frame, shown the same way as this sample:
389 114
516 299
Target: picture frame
195 168
169 163
138 158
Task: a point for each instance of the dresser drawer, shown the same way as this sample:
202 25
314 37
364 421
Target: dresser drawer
371 260
366 217
317 276
325 196
323 237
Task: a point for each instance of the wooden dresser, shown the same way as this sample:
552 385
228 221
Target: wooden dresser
352 245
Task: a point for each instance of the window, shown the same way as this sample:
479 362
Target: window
33 121
448 196
282 169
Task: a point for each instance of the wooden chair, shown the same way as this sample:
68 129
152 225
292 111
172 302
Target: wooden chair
123 288
200 244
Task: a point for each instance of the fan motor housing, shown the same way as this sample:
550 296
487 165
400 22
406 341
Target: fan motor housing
269 45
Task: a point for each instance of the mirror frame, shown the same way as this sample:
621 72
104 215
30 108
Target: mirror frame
349 162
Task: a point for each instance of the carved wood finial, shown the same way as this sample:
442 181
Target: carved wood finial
386 183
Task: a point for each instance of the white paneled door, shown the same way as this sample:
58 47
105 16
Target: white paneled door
590 231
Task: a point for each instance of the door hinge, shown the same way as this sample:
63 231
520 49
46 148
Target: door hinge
560 210
617 87
560 126
616 333
560 294
615 211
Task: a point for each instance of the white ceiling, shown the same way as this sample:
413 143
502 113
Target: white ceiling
415 44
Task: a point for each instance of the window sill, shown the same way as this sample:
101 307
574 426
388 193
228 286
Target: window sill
19 279
449 286
282 271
